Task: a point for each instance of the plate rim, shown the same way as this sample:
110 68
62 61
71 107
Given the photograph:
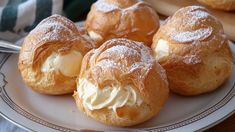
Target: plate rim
179 124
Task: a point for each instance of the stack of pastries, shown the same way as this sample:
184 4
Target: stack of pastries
117 78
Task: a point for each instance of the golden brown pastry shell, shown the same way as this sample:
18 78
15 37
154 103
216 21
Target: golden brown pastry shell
195 66
149 81
131 19
53 34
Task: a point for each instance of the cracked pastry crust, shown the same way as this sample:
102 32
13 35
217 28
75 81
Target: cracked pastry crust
127 66
57 36
193 49
131 19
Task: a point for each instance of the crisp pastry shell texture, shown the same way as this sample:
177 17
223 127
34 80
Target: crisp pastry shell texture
54 34
147 77
198 58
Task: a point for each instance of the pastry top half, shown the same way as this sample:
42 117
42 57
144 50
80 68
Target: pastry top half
51 55
191 31
131 19
226 5
121 84
194 50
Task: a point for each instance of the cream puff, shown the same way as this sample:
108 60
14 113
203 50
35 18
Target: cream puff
227 5
193 49
51 56
132 19
121 83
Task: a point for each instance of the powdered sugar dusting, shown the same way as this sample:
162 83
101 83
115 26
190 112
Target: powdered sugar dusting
121 57
126 12
191 59
189 36
101 5
105 64
162 73
196 16
133 7
189 24
50 30
122 51
128 49
197 12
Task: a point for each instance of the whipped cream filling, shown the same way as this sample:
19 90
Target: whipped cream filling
111 97
94 35
162 49
68 64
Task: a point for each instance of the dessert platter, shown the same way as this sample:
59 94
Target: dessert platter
121 71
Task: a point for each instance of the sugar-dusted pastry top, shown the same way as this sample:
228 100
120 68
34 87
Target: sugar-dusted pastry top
192 47
131 19
121 83
118 59
197 25
197 28
56 34
51 55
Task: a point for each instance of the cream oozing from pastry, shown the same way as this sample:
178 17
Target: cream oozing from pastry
162 49
68 64
94 35
111 97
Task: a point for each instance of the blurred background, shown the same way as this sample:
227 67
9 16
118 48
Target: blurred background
18 17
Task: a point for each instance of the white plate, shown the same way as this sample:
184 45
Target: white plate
37 112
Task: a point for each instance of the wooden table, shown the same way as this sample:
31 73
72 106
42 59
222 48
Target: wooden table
227 125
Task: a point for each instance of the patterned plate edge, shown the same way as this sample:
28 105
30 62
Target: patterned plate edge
24 113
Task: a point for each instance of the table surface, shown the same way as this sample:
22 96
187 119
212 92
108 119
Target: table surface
227 125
